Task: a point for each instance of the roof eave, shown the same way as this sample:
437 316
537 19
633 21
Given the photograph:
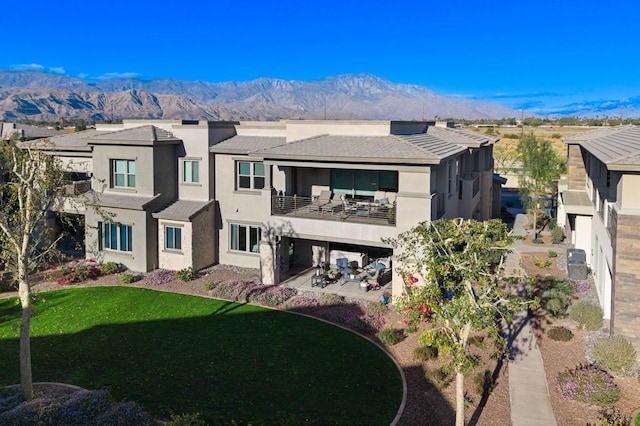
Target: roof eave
323 159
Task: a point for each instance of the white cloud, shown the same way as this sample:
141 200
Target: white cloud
112 75
57 70
28 67
83 75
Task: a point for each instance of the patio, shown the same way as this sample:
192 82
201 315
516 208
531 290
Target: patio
348 289
354 211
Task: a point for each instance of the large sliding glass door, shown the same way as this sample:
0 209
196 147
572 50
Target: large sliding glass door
363 183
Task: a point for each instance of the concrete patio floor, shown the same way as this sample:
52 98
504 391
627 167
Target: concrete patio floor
349 290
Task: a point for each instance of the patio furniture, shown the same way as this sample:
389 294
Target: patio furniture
343 266
332 206
319 201
319 280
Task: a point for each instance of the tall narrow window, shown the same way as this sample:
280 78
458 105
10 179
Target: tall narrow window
173 237
123 173
191 171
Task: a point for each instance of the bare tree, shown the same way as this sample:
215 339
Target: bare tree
33 182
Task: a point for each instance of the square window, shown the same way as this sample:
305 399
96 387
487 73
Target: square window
191 171
245 238
123 173
250 175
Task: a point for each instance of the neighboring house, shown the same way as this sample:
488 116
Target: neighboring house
599 206
25 131
279 196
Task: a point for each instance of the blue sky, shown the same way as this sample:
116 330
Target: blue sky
519 53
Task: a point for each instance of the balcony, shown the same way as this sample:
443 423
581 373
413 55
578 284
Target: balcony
73 188
351 212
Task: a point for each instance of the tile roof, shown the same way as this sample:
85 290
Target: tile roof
127 202
419 148
77 141
240 144
182 210
143 135
617 147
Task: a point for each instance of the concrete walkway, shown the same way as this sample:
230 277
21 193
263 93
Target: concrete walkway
528 390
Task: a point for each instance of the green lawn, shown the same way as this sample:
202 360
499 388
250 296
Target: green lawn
183 354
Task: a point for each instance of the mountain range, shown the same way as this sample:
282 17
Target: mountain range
31 95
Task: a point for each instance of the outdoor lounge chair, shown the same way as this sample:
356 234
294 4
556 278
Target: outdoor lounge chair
332 206
343 266
319 201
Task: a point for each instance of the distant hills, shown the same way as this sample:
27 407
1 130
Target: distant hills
41 96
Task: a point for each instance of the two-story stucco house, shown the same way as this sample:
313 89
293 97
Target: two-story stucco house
279 196
599 205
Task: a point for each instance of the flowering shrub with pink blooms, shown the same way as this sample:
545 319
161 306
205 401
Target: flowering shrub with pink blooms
79 271
300 303
270 295
232 290
160 276
588 384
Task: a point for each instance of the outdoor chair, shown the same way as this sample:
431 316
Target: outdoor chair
332 206
343 266
319 201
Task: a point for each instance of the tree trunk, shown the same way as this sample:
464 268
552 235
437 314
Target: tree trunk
464 337
26 378
459 399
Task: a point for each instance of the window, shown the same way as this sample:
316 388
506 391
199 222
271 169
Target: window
245 238
250 175
123 173
173 238
118 237
190 171
450 177
363 182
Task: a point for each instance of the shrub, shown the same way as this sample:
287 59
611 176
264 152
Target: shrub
109 268
555 302
160 276
588 384
542 263
611 417
270 295
128 278
191 419
561 334
210 285
329 299
186 274
580 286
376 308
78 272
552 253
538 241
235 290
391 336
425 353
587 315
615 353
552 225
557 235
560 285
77 408
301 303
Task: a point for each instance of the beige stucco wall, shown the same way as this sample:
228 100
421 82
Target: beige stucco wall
297 130
144 256
249 207
628 191
175 259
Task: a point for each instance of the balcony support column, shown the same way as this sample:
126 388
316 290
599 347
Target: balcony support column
269 270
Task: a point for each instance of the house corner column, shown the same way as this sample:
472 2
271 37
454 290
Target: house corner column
269 270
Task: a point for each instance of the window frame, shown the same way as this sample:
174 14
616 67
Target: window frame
193 162
116 237
250 234
252 177
126 175
177 237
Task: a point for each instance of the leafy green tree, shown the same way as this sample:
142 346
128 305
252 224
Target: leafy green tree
540 168
32 184
452 273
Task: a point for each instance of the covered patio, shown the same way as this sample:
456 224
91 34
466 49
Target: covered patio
350 289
